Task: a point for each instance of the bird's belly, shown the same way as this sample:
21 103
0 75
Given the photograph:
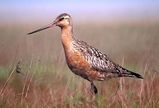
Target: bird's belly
78 65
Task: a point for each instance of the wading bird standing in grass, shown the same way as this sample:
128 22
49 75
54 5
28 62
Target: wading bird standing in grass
85 60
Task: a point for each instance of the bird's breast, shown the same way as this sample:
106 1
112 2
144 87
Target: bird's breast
76 61
79 65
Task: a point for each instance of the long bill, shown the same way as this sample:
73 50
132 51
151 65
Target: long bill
49 26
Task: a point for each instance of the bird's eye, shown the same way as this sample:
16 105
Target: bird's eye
61 19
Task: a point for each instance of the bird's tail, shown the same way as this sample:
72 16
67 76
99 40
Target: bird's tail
127 73
133 74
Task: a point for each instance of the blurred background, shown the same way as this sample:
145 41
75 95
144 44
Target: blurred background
120 25
127 31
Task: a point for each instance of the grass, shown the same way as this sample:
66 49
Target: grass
46 82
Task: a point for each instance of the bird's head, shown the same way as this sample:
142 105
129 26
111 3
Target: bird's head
63 20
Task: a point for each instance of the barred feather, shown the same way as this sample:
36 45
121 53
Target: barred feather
94 57
101 63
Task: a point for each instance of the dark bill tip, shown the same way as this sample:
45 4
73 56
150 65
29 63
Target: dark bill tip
41 29
38 30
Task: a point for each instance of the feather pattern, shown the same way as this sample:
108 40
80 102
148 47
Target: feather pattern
101 62
94 57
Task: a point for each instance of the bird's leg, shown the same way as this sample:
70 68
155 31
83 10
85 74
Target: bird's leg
93 88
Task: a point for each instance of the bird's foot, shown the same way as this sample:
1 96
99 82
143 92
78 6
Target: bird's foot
94 89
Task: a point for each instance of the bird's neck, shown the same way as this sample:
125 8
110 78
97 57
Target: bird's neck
67 36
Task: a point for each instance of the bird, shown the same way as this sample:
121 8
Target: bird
85 60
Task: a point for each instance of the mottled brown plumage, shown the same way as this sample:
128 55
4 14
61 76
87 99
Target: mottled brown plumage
85 60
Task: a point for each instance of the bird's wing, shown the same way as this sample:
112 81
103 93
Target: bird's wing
95 58
100 62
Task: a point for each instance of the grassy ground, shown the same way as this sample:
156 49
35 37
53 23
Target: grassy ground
46 82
